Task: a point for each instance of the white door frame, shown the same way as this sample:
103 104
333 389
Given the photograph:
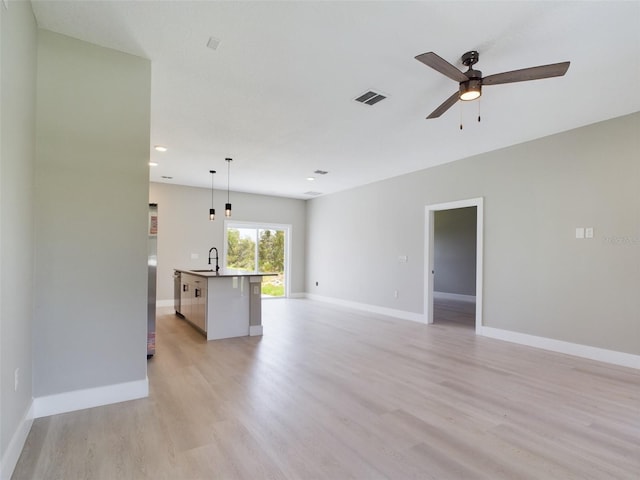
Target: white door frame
429 254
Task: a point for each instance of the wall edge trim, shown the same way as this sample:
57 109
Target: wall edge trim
454 296
16 444
255 330
560 346
90 397
390 312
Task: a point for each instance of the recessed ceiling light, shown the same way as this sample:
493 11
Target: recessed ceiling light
213 43
153 164
160 148
312 193
311 179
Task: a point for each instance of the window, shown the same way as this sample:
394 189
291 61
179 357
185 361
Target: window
259 248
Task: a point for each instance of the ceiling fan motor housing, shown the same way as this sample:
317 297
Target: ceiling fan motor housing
470 58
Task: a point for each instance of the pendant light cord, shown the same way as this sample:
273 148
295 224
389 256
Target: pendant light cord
212 172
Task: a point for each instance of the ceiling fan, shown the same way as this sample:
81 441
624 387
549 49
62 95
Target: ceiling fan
471 81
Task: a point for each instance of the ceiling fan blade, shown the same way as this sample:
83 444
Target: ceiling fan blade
432 60
525 74
446 105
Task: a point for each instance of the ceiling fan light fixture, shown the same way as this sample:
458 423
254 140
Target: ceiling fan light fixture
470 90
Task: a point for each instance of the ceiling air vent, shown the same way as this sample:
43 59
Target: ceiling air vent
320 172
313 194
370 98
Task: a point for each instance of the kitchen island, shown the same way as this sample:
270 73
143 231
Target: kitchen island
222 304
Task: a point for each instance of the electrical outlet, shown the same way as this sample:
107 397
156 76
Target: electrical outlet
588 232
16 379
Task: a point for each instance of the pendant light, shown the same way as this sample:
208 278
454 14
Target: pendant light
212 211
227 206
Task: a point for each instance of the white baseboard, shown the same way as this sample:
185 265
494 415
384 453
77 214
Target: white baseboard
560 346
585 351
255 330
16 444
90 397
297 295
391 312
454 296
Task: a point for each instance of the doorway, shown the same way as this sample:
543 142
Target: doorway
259 248
430 263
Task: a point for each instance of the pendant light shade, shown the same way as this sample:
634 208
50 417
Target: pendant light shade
227 206
212 211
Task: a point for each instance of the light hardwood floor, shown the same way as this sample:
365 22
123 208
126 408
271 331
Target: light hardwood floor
446 311
332 393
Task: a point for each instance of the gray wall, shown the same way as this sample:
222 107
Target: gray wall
455 251
91 203
538 278
17 157
184 227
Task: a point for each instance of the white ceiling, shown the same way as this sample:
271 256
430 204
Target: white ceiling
277 94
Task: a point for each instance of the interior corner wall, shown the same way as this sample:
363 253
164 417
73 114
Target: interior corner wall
91 177
538 278
17 157
455 251
184 229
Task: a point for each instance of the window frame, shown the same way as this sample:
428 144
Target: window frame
288 231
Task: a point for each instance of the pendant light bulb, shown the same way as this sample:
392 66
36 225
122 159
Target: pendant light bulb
212 211
227 206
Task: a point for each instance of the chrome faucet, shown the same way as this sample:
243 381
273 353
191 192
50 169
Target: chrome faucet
216 257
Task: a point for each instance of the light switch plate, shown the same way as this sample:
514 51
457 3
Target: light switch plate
402 259
580 232
588 232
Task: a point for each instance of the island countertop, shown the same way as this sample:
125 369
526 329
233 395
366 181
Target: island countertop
210 273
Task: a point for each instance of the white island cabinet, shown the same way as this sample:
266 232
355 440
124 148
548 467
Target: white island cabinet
222 305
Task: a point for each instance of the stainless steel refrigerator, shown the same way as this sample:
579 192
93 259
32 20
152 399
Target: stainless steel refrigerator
153 264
